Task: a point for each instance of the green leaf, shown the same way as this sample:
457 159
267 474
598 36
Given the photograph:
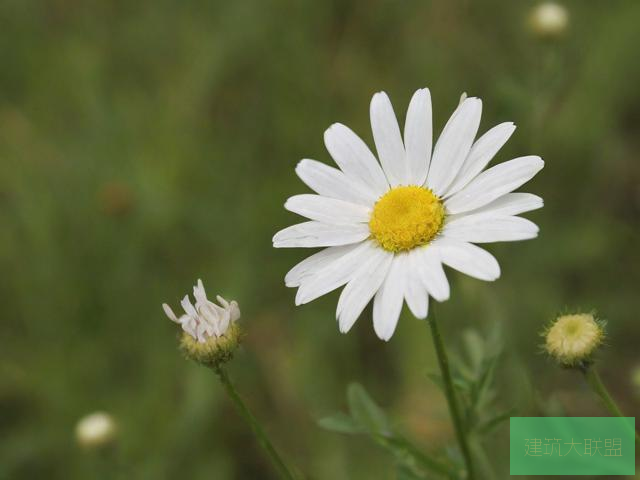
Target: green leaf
475 347
409 455
365 411
342 423
405 473
491 424
461 384
481 389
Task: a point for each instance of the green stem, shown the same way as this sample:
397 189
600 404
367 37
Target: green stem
253 423
595 382
449 391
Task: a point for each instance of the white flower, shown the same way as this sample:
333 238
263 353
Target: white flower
205 319
390 226
95 430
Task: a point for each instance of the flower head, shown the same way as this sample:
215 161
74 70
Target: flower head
210 331
96 430
549 19
389 226
573 339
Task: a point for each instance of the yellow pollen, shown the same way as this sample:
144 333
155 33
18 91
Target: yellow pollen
405 218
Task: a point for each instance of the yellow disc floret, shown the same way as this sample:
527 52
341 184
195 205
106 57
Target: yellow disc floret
406 217
572 339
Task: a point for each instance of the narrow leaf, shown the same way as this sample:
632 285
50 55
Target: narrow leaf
342 423
365 411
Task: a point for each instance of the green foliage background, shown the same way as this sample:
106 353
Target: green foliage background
146 144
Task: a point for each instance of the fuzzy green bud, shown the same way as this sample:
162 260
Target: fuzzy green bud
573 339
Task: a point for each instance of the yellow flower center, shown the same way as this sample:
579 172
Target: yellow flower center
405 218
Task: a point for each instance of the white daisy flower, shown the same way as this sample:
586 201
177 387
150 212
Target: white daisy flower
389 227
205 319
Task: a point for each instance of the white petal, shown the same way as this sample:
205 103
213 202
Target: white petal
315 262
494 183
188 307
355 159
418 134
234 311
211 314
190 326
335 274
415 293
386 135
362 287
331 182
317 234
199 292
481 154
223 325
453 145
328 210
387 303
222 301
431 273
508 204
485 229
200 330
169 313
467 258
209 328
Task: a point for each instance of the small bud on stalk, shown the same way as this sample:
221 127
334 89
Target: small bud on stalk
96 430
549 20
211 334
573 339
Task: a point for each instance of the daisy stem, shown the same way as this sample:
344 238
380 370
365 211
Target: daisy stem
450 393
595 382
258 431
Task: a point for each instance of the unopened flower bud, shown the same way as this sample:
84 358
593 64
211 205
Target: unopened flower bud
573 339
96 430
210 332
549 20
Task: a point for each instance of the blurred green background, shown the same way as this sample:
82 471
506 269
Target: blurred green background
146 144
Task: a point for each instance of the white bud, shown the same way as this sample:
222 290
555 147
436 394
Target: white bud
205 319
549 19
95 430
